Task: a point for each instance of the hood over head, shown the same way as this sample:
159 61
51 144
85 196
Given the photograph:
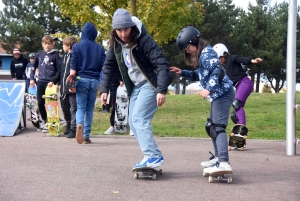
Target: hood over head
89 31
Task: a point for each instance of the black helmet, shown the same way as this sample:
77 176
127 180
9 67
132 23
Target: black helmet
31 55
188 35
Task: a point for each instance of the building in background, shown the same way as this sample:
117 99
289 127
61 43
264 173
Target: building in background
5 60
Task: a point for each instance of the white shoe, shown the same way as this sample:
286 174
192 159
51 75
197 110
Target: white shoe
45 129
110 131
42 124
131 133
209 163
219 167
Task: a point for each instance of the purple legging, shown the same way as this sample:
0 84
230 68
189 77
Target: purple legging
243 90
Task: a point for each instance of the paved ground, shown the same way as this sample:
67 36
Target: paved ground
35 167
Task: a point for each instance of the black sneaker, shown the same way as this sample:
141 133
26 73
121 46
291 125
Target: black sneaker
67 131
72 134
87 141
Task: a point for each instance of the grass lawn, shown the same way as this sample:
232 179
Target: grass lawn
185 116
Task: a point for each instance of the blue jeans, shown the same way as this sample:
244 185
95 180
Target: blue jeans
86 93
219 113
142 108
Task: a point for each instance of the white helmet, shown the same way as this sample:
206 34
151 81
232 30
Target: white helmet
220 49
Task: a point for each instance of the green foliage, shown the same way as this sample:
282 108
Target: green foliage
163 18
185 116
266 89
24 23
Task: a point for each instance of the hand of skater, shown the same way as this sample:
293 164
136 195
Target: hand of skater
103 98
204 93
256 61
31 83
176 70
50 84
160 99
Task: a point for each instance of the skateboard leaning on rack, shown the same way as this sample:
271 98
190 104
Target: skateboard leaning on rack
53 122
238 136
121 111
32 105
147 172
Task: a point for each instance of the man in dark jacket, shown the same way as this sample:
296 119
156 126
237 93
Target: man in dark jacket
18 66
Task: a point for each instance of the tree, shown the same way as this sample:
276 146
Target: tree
163 18
24 23
219 20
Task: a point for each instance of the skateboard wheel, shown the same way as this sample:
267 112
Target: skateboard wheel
43 96
210 179
242 149
229 180
136 175
205 174
153 177
229 148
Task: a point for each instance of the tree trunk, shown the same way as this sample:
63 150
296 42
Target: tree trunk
183 85
257 82
177 84
133 7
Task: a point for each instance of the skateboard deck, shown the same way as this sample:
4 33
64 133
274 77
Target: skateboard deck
121 111
32 105
147 172
238 136
53 122
219 177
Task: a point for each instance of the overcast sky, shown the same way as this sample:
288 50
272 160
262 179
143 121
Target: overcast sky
240 3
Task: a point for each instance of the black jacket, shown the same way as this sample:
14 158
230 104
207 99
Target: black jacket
62 73
234 68
17 67
149 59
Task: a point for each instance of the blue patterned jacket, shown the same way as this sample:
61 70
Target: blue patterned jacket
207 74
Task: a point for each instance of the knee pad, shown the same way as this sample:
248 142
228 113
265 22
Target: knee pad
207 126
211 129
237 104
234 117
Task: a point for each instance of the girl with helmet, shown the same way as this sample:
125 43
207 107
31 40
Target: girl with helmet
236 73
199 54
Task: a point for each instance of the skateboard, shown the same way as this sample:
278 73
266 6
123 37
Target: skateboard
121 112
238 136
32 105
147 172
71 81
53 122
220 177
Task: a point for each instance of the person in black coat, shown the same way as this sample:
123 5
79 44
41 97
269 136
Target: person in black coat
18 66
67 98
146 75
